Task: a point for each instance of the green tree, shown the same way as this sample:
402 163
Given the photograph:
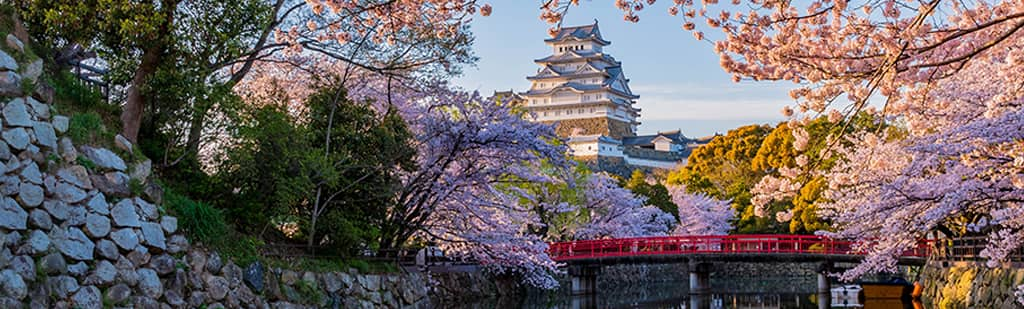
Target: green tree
778 151
656 193
332 168
722 169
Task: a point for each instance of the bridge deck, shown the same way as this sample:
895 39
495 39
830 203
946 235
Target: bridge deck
748 248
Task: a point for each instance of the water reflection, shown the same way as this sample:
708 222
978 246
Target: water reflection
706 301
675 295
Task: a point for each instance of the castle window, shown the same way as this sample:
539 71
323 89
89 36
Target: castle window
581 111
591 109
558 113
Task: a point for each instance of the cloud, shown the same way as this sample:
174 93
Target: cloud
712 101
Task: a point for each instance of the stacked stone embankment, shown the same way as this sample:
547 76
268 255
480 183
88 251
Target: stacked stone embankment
76 230
970 285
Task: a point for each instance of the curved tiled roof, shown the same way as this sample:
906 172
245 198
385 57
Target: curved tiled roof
570 56
676 136
579 33
581 72
578 87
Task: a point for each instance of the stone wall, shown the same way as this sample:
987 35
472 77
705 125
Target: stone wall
210 278
737 277
75 234
612 165
592 126
621 276
970 285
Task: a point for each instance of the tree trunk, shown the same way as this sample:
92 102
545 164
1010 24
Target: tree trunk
131 115
195 132
152 56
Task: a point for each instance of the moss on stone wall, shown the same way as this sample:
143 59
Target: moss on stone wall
970 285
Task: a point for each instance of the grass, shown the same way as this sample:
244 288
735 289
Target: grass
324 264
309 291
88 129
136 187
199 220
73 97
86 163
6 27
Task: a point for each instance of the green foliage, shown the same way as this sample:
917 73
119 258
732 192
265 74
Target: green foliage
136 187
722 169
309 291
88 129
730 165
85 162
90 114
28 86
268 165
656 193
325 264
571 190
74 96
778 151
200 221
332 166
243 249
360 265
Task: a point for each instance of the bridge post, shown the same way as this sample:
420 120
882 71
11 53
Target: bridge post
584 278
700 277
824 284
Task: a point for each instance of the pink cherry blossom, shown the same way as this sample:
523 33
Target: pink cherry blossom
700 214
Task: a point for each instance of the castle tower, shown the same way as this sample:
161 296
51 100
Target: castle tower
581 88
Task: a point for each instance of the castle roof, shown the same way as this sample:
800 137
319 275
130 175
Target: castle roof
588 69
506 96
592 138
576 55
675 136
580 88
579 33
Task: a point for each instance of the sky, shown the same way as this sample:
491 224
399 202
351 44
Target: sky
678 79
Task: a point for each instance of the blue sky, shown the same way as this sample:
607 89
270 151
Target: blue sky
678 78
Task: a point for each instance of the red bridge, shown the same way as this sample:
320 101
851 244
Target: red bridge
586 257
740 247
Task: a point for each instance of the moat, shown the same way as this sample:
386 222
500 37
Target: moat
778 292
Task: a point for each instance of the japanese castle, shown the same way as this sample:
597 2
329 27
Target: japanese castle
585 93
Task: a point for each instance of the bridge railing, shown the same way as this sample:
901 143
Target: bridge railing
735 244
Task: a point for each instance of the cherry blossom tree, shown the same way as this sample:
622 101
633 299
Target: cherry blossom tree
468 148
700 214
946 75
958 172
614 212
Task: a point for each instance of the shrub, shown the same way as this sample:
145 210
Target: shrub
200 221
88 128
309 291
73 95
85 162
360 265
242 249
